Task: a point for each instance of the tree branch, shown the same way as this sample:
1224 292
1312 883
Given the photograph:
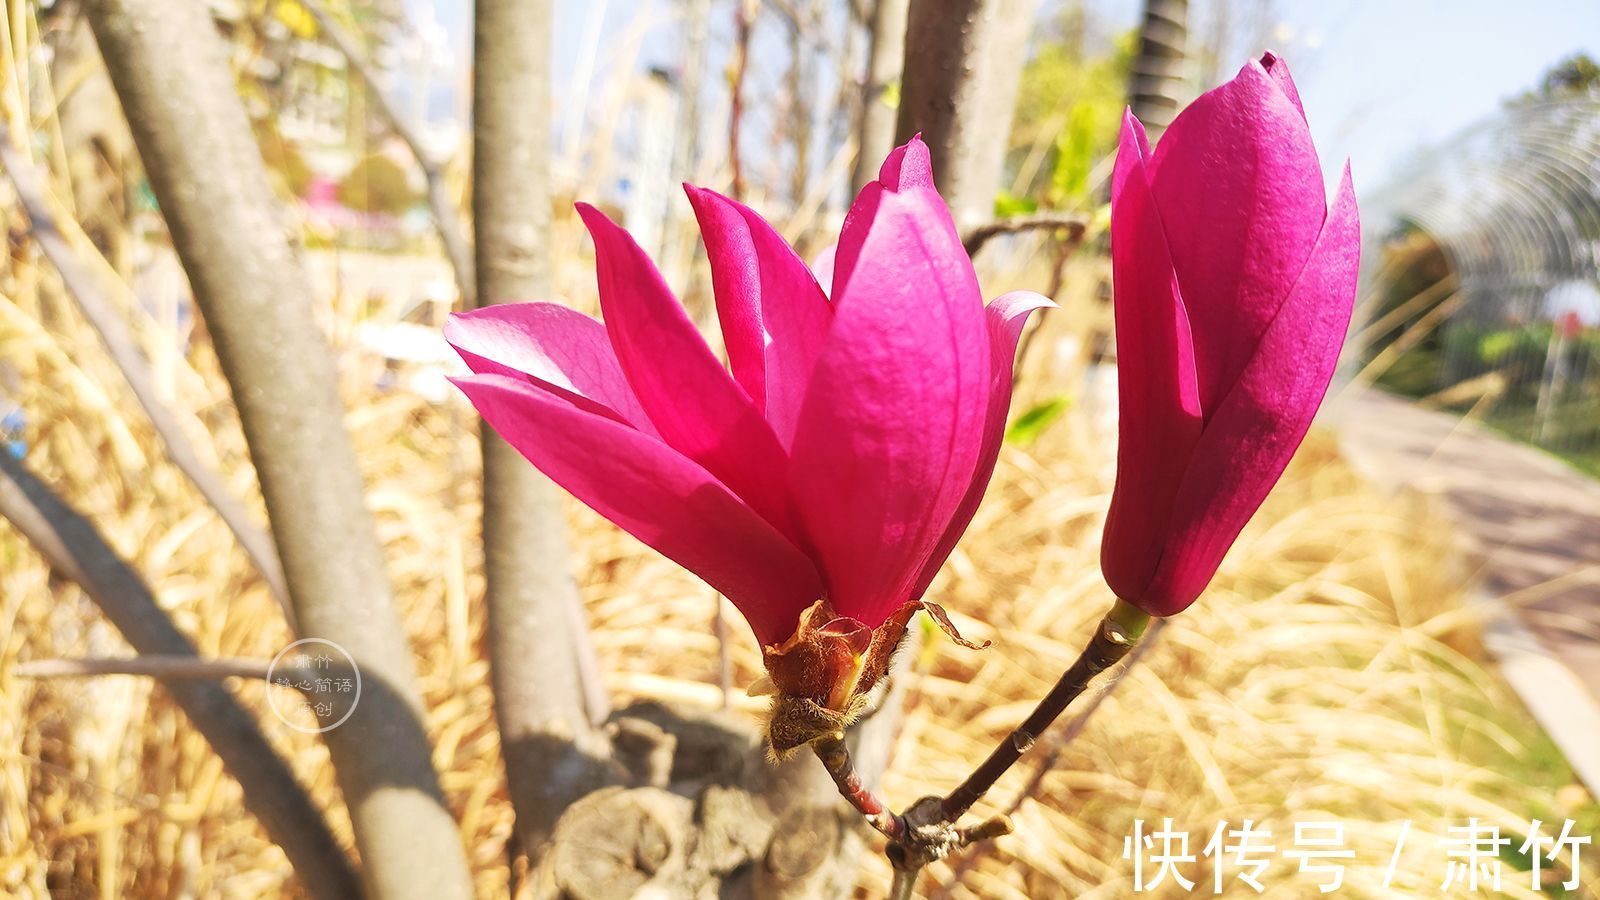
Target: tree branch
170 70
446 215
75 550
119 343
973 239
927 830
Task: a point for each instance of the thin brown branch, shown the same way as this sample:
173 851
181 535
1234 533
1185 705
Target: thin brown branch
446 215
1073 223
744 22
930 832
124 352
1116 634
1074 728
76 551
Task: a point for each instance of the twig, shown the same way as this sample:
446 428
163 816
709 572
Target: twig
119 343
173 667
835 757
927 830
75 550
1115 636
446 217
1074 728
744 17
162 667
1064 250
974 239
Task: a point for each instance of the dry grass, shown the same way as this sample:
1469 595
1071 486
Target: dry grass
1329 675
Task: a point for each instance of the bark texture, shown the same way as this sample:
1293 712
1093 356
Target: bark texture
538 639
963 66
171 73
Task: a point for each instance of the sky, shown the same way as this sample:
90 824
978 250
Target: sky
1380 79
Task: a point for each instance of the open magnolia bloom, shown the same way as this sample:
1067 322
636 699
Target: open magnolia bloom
821 482
1234 280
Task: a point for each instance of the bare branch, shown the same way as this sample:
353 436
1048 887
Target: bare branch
744 22
1074 224
74 549
119 342
170 70
161 667
446 215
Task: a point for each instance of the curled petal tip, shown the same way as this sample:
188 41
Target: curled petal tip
909 165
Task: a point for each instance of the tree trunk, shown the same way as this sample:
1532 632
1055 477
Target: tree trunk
886 56
963 67
172 75
1156 82
538 639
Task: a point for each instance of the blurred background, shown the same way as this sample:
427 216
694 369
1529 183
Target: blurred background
1405 638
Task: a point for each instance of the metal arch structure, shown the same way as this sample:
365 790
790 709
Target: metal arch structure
1513 204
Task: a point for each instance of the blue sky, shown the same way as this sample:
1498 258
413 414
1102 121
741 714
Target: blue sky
1380 79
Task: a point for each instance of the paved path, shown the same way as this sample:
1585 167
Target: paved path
1530 524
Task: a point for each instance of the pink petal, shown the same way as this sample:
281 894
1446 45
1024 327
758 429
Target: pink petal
1240 161
909 163
780 314
694 403
1158 402
891 428
1250 438
657 495
1279 70
736 282
557 347
822 265
1007 314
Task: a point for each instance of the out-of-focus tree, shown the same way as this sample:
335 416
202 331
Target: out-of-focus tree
284 161
880 95
378 184
1574 76
1225 33
1068 111
1156 84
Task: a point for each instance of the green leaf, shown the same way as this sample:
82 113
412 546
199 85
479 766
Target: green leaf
1032 423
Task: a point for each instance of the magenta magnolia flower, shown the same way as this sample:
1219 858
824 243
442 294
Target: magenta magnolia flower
822 482
1234 281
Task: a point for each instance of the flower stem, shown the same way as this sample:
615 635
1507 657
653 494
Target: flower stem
835 757
1118 632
